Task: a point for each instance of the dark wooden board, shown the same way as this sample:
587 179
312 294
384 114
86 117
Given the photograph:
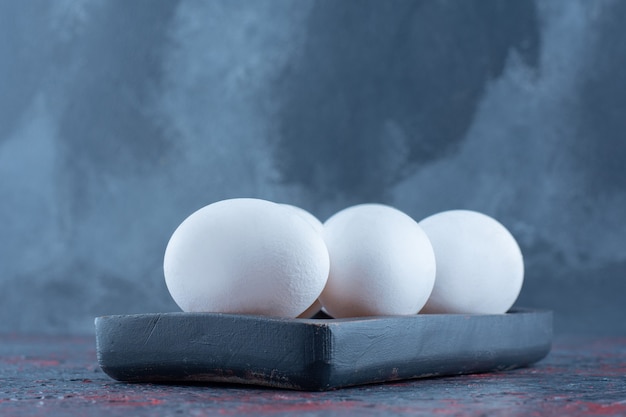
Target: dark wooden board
316 354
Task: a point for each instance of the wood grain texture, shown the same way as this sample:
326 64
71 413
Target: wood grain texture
314 354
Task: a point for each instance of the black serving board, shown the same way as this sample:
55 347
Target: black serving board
316 354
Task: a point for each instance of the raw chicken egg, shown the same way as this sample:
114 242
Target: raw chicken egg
246 256
381 263
480 268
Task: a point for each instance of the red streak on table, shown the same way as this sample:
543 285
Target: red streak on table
54 375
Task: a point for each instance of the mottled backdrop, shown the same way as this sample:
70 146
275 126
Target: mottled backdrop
118 119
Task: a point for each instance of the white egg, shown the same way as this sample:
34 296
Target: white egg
480 268
381 263
246 256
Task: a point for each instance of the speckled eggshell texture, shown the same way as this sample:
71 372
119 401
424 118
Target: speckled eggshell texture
246 256
381 263
480 269
319 228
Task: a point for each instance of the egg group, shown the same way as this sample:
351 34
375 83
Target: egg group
253 256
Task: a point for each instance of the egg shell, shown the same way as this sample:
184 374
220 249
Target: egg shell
480 269
381 263
246 256
310 218
316 307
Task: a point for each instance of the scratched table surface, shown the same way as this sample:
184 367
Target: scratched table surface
53 376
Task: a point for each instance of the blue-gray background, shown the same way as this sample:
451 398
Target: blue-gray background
118 119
